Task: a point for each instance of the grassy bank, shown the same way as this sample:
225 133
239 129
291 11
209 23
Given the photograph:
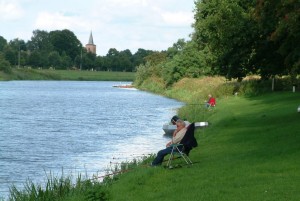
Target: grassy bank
250 150
31 74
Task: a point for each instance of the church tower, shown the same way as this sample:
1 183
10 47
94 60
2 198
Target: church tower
91 47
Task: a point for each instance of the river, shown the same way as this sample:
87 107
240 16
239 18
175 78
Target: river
77 127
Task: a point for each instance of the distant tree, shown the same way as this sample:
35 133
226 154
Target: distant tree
156 58
66 41
3 43
54 59
125 58
66 61
138 57
40 41
176 48
11 55
4 65
35 59
113 59
89 60
99 63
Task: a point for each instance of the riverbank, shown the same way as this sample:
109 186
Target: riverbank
75 75
249 151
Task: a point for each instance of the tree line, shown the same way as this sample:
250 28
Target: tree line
231 38
60 49
234 38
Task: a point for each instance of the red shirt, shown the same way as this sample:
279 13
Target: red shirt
212 101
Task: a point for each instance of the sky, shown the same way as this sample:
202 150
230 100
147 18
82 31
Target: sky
120 24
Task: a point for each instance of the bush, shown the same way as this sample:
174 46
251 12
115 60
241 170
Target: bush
5 65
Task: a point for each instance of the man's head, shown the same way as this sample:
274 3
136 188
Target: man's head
174 119
180 124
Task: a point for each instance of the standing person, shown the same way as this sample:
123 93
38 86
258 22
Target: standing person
176 138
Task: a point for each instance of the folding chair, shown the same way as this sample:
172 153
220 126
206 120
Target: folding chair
183 149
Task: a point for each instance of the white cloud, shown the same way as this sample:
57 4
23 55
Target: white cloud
10 10
178 18
57 21
121 24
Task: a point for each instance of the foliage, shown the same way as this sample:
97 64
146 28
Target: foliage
179 61
60 49
187 62
5 65
243 37
59 189
280 37
226 29
3 43
233 39
66 42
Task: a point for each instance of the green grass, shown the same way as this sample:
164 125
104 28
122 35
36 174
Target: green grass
32 74
250 151
93 75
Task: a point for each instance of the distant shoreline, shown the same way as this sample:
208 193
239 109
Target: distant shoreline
46 74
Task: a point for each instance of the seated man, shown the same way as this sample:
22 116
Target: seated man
211 101
177 137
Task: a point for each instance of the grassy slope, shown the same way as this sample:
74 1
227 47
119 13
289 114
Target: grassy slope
250 151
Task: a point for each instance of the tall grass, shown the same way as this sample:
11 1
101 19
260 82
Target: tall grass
63 188
66 188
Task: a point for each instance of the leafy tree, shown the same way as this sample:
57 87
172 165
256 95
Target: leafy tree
142 73
10 55
66 61
113 60
225 31
40 41
138 57
35 59
89 60
3 43
156 58
99 63
125 58
54 59
278 48
65 41
176 48
4 65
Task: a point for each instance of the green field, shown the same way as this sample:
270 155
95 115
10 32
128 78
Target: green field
31 74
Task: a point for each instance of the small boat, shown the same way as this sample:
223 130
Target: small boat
124 86
170 128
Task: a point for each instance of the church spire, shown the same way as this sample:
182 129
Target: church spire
91 41
91 47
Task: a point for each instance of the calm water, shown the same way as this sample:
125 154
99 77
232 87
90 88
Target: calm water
80 127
